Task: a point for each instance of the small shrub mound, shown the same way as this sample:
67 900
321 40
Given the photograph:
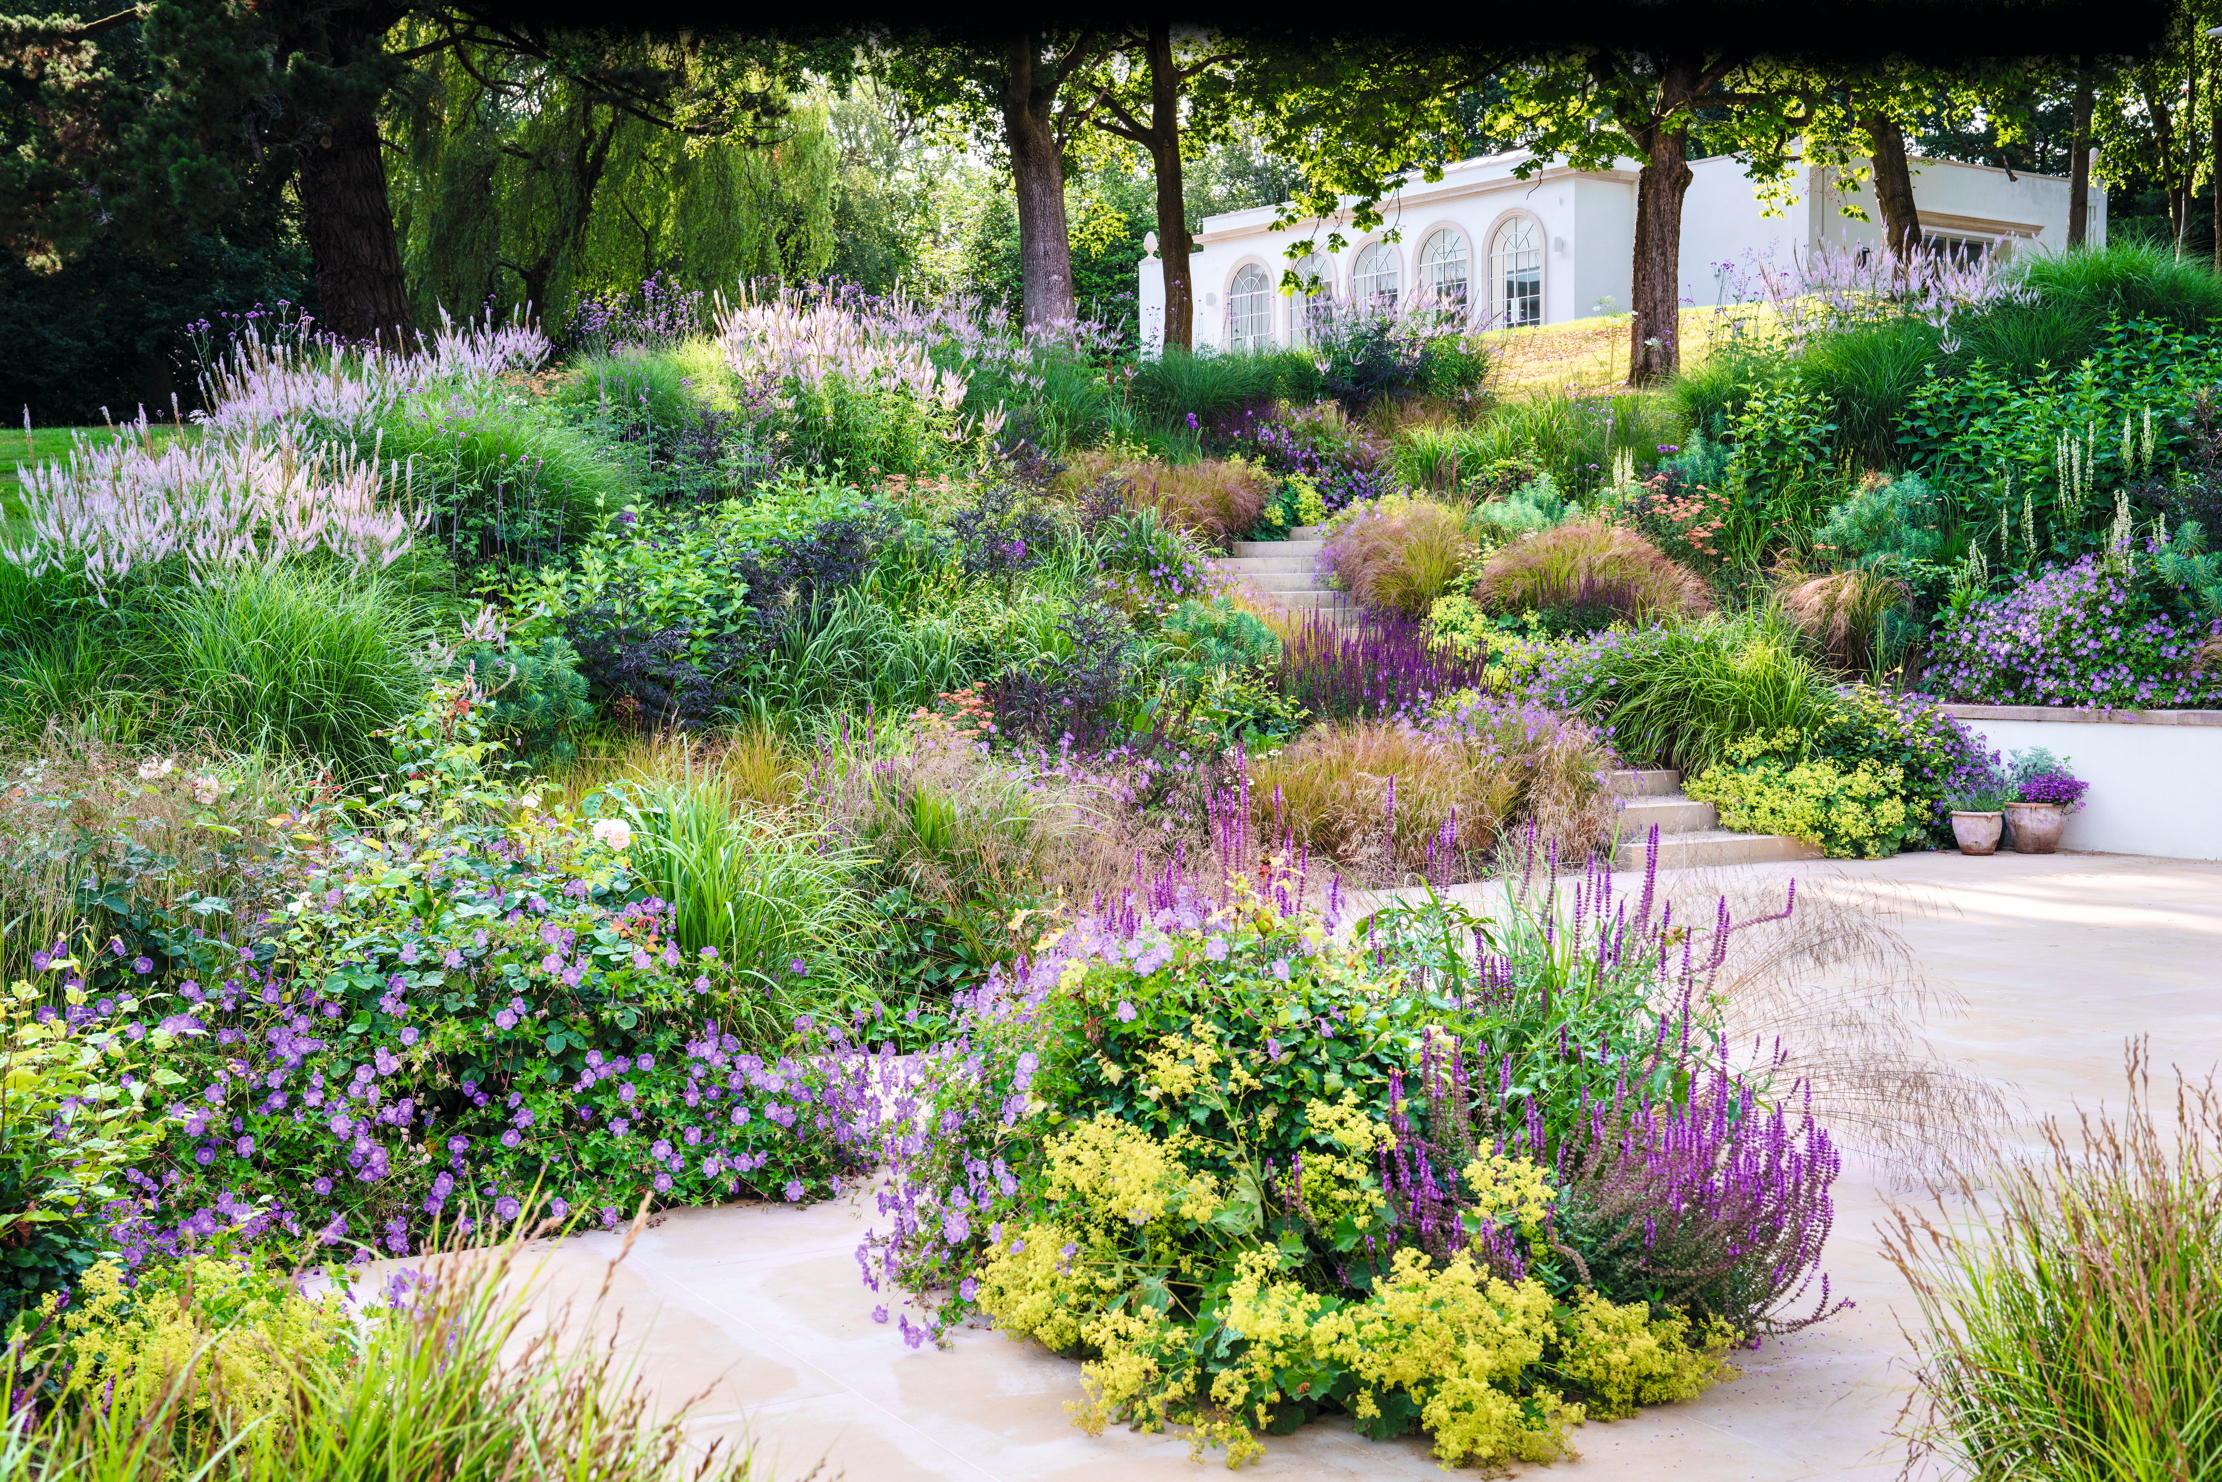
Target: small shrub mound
1851 616
1397 554
1595 574
1252 1176
1852 812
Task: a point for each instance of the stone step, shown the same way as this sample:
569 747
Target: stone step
1669 813
1267 563
1712 847
1321 598
1281 583
1307 532
1642 784
1278 547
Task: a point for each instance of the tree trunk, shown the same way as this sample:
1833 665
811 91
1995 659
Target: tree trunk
340 167
1894 185
1654 349
1173 244
348 221
2214 158
1038 177
2079 168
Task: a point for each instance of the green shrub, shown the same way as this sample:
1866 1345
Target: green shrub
1897 523
1849 813
1588 576
507 482
535 696
1532 507
292 660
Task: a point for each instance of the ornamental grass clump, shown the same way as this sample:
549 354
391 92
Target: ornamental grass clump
1390 799
1594 574
2084 635
1396 554
2073 1299
1215 500
221 1369
1678 695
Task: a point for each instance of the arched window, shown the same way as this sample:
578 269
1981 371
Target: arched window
1373 279
1442 270
1516 273
1249 309
1313 303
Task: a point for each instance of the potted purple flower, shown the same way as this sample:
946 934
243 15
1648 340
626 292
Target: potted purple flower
1977 799
2045 793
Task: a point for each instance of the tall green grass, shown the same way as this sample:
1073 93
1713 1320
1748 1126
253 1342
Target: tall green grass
1575 438
304 660
1205 384
293 660
1676 696
2073 1302
764 893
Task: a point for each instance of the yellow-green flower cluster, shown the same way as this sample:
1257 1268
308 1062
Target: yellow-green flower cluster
1854 813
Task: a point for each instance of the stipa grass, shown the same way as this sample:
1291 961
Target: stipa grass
2074 1300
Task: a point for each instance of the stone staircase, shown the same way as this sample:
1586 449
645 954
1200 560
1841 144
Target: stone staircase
1281 571
1690 834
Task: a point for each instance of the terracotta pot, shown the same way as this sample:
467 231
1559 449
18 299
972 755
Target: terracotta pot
2036 826
1976 833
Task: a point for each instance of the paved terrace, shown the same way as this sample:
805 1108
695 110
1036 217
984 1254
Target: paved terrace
2056 958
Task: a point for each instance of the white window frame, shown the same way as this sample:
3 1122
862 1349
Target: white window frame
1260 302
1502 305
1427 282
1360 295
1305 309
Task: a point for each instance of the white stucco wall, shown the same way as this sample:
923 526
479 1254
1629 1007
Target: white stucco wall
1588 226
2156 776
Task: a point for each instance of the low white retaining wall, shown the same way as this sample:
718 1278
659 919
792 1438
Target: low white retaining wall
2155 775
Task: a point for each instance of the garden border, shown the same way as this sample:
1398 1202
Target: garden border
2155 775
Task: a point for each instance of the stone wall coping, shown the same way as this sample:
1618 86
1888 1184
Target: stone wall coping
2086 717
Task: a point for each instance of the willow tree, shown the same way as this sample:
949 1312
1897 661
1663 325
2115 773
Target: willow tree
525 183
